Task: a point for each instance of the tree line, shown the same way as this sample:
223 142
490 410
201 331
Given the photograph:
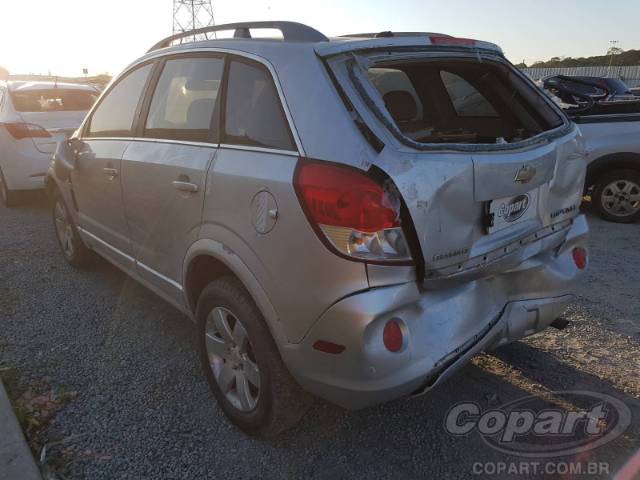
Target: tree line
616 57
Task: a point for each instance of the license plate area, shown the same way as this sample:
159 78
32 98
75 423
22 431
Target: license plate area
503 212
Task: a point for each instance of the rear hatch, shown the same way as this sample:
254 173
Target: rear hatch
59 111
490 170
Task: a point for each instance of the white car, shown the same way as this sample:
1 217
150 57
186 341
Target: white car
34 116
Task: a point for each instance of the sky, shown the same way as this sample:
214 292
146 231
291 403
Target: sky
65 36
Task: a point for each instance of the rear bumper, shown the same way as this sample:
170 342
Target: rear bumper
442 328
24 168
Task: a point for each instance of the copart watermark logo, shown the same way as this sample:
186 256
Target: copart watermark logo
549 425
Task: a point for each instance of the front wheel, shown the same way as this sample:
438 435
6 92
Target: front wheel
242 364
75 252
617 196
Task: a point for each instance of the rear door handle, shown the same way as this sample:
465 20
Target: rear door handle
110 172
185 186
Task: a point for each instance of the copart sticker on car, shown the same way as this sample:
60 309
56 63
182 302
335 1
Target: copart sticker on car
507 211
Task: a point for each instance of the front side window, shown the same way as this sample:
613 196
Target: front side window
184 99
253 112
467 101
115 114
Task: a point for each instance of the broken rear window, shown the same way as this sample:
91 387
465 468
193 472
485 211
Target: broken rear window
53 100
461 101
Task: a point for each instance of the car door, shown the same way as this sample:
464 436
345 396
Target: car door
164 168
96 178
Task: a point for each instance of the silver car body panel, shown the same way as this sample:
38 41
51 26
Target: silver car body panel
462 304
606 135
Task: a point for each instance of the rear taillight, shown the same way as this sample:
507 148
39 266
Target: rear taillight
358 216
26 130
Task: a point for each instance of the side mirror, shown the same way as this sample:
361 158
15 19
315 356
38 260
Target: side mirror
66 156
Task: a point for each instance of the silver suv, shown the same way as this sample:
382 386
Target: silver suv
352 218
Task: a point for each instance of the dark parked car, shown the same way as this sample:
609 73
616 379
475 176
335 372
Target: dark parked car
601 89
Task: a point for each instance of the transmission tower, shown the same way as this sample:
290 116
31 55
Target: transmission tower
192 14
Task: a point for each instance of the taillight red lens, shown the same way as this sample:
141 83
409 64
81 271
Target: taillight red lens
392 336
351 212
580 257
343 197
26 130
452 41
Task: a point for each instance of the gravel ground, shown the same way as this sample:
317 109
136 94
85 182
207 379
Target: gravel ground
140 407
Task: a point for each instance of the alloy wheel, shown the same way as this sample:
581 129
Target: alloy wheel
231 359
621 198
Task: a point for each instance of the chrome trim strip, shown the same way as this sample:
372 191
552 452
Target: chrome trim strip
480 262
108 245
171 282
260 149
196 144
176 51
152 140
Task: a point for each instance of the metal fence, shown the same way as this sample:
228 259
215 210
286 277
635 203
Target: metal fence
630 75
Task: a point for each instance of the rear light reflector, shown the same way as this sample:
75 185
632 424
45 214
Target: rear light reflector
329 347
357 216
580 257
452 41
392 336
26 130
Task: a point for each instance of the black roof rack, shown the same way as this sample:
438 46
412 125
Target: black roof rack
291 32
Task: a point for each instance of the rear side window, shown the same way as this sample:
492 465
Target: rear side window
466 100
253 113
184 99
114 115
53 100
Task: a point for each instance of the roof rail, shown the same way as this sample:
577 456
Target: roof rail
291 31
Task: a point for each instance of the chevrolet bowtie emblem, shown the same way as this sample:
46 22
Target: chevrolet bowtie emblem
525 174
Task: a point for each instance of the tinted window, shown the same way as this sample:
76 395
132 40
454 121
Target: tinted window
115 114
184 99
254 115
53 100
466 100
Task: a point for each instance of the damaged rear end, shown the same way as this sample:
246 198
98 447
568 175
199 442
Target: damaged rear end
490 174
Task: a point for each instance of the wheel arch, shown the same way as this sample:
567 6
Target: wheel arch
607 163
207 260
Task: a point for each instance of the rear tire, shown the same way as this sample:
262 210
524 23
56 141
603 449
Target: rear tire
73 249
9 198
617 196
242 364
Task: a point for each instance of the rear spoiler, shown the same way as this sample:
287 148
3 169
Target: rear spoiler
416 40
